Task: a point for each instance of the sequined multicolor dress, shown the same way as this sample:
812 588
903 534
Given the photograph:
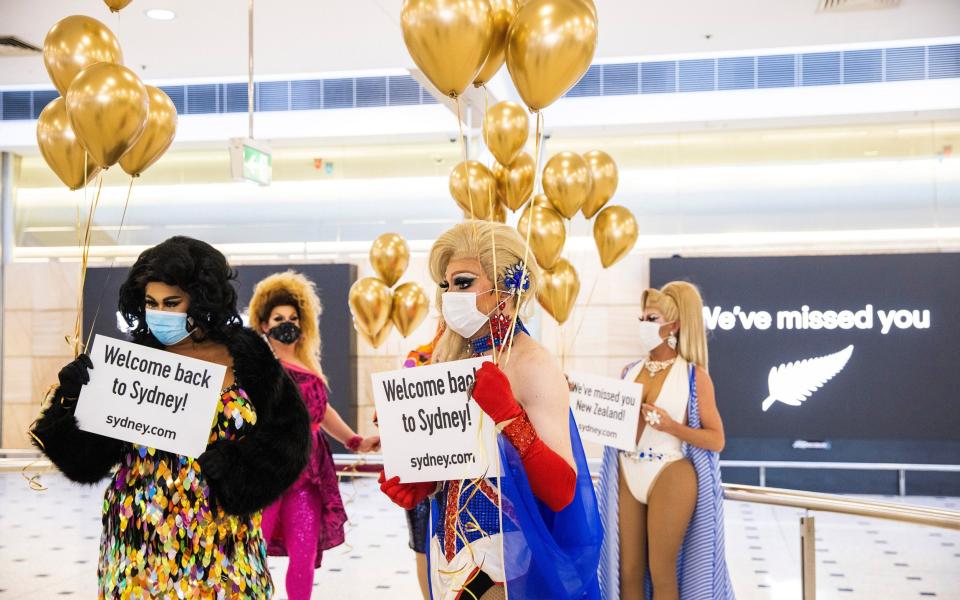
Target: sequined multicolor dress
164 538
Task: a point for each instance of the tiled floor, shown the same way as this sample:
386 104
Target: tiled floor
48 549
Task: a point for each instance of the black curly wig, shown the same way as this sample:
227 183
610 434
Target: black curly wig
198 269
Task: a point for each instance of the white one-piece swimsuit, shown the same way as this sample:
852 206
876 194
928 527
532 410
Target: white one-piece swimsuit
656 449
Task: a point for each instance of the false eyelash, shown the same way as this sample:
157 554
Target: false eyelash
444 285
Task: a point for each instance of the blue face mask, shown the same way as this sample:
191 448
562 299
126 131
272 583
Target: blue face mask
168 327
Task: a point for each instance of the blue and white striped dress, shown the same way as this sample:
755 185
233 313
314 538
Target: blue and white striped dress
701 567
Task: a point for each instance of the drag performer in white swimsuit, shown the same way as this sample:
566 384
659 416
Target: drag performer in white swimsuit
662 503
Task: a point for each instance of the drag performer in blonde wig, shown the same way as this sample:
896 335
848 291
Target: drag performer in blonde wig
662 502
309 517
534 532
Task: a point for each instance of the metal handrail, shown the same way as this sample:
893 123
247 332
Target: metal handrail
919 515
922 515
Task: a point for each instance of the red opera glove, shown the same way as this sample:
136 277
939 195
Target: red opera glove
493 393
406 495
551 479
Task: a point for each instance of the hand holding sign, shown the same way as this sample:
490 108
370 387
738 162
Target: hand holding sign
74 376
406 495
494 394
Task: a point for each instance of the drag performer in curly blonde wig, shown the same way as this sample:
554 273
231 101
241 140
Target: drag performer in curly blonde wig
309 517
534 532
662 502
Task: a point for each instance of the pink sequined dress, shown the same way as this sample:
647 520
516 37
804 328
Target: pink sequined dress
309 517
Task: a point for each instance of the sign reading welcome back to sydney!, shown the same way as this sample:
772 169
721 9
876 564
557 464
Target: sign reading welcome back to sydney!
430 427
150 397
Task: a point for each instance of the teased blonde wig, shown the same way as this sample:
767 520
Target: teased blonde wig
679 300
291 289
478 239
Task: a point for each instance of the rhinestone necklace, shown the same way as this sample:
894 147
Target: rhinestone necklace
655 366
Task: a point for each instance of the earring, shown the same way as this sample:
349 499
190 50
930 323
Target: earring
672 341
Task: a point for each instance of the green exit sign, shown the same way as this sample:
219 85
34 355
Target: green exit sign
251 160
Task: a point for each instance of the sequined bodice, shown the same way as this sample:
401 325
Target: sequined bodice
162 537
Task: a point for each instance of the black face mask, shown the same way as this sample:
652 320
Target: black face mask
285 333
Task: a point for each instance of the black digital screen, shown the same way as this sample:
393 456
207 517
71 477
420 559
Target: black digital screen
333 281
864 348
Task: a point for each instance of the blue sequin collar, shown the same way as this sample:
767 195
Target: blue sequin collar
486 343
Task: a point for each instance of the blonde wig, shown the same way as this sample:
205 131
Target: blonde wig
479 239
679 300
291 289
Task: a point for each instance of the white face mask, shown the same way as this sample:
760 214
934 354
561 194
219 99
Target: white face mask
460 313
649 336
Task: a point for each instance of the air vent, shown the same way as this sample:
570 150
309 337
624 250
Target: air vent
838 5
11 46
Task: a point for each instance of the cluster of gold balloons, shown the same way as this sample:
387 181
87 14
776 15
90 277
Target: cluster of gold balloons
547 44
486 194
506 128
104 114
377 309
572 184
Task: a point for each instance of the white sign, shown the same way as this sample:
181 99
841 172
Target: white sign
607 411
430 427
150 397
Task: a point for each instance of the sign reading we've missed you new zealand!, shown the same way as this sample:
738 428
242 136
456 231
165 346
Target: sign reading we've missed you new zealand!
607 411
150 397
430 427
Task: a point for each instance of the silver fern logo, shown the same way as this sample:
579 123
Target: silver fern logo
793 383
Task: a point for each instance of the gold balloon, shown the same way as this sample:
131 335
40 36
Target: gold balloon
542 201
75 43
500 173
157 135
390 256
377 339
566 181
503 13
589 3
448 39
518 181
603 173
370 303
505 130
547 235
499 213
615 232
558 291
474 188
107 105
410 307
117 5
60 148
591 6
549 47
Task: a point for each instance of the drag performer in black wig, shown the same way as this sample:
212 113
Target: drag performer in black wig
177 526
